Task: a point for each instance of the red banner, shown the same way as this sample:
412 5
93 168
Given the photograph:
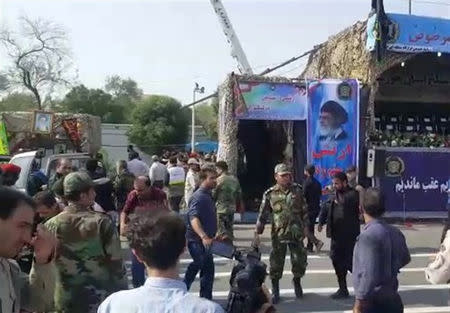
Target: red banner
71 127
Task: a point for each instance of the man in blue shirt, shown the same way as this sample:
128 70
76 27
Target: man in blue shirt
201 229
158 240
380 253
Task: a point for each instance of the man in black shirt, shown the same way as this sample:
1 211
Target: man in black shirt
312 190
342 219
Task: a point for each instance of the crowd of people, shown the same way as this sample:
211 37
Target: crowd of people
63 252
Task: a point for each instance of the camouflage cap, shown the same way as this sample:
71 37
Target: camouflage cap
76 182
282 169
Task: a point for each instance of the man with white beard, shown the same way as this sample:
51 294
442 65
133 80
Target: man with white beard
332 117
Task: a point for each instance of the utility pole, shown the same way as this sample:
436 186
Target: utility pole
198 89
410 7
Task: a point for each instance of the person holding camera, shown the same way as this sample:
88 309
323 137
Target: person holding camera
287 206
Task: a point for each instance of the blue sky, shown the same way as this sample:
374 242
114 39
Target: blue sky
167 45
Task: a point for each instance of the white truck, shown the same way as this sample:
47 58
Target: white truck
29 161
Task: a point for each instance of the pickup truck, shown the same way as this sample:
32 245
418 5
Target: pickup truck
47 164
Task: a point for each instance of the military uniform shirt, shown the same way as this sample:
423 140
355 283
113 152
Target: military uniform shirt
288 210
226 194
89 261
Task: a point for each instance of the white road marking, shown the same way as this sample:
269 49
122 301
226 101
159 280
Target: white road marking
428 309
265 257
324 271
315 272
330 290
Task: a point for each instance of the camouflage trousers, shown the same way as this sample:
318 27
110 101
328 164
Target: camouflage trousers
225 223
278 255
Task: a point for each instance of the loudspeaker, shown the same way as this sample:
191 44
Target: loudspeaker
376 159
370 163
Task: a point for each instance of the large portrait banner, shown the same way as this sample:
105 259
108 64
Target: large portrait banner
333 124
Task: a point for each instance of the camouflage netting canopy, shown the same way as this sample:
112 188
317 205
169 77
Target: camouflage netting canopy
344 55
19 129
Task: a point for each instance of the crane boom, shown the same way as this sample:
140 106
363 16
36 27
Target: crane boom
236 49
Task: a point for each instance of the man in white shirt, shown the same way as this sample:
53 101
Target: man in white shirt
158 240
158 173
192 179
177 177
136 166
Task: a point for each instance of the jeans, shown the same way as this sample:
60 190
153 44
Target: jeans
202 261
137 272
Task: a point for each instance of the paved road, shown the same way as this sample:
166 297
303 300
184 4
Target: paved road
319 281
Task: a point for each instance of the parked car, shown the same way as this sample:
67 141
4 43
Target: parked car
47 164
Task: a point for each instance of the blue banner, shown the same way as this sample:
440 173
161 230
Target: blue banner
416 181
413 34
333 126
270 101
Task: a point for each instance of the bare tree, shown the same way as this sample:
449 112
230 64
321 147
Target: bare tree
4 84
39 55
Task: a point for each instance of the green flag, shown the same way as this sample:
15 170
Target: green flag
4 148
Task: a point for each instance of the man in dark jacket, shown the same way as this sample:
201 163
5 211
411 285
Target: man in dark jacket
103 186
342 218
312 191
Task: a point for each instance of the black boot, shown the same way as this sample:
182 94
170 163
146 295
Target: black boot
298 287
275 291
342 292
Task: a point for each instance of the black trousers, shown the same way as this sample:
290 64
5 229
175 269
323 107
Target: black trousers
391 304
311 226
341 254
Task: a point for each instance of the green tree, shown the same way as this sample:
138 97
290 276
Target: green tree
206 115
120 87
125 92
93 101
17 101
159 121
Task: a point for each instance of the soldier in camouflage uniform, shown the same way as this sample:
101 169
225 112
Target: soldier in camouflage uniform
285 203
89 261
123 184
227 196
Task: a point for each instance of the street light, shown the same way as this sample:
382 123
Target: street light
197 89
